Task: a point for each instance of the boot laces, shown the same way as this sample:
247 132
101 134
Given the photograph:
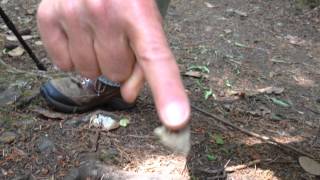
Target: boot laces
96 85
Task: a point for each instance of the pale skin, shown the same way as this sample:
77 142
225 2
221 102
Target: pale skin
122 40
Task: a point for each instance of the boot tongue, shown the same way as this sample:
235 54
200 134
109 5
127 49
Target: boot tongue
99 87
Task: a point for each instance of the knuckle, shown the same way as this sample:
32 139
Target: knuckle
44 15
95 7
69 10
153 53
64 65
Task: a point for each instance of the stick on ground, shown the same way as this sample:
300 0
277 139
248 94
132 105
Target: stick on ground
250 133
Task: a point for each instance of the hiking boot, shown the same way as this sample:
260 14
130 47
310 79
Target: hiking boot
77 94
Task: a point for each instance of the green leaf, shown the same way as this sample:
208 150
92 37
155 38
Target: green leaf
277 117
237 71
124 122
280 102
208 93
211 157
218 139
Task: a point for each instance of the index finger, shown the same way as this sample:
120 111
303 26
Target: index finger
149 43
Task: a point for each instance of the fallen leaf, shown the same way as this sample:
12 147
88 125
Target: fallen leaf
104 122
240 45
14 38
44 171
228 83
50 114
200 68
232 12
275 60
271 89
241 13
4 1
239 94
31 11
209 5
207 94
196 74
309 165
38 43
16 52
280 102
211 157
277 117
218 139
227 31
295 40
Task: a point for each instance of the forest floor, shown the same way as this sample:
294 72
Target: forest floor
254 63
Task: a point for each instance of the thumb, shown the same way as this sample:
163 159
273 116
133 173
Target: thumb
148 41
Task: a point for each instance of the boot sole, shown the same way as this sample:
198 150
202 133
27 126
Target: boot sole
112 104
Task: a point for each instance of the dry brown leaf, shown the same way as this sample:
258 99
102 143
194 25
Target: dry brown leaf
309 165
105 122
196 74
209 5
16 52
50 114
271 89
295 40
14 38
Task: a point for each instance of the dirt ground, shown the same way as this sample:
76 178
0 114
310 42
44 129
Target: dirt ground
254 63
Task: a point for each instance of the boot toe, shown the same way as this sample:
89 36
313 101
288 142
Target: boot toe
50 93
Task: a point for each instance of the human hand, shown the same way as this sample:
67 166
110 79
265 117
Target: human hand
123 40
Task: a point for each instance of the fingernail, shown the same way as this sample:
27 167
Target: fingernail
176 115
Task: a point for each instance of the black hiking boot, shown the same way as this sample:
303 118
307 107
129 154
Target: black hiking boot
78 95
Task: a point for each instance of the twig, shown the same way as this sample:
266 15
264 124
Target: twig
13 28
98 133
317 137
243 166
261 137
